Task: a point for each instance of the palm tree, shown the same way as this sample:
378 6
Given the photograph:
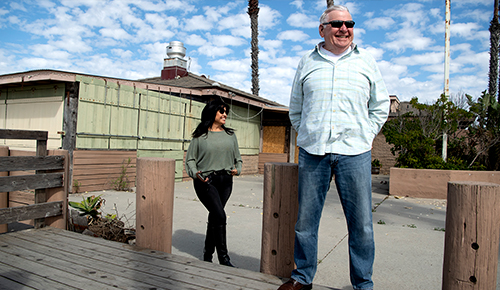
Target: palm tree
494 42
253 11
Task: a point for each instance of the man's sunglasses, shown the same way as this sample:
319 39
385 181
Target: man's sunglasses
339 23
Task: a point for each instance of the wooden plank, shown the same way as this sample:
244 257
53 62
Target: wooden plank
28 212
23 197
15 163
53 278
104 161
91 153
9 284
23 134
124 275
99 272
151 254
83 171
22 278
212 276
25 182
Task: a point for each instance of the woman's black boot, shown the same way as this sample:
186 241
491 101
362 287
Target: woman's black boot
221 245
209 249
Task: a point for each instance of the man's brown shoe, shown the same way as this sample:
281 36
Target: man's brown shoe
294 285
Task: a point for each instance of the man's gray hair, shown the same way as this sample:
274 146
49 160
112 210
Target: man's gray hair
322 19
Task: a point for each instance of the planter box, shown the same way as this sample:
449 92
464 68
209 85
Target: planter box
433 183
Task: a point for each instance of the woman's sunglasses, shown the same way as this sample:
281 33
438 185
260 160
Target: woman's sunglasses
339 23
222 110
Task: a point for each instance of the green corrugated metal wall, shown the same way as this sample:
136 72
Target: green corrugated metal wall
156 124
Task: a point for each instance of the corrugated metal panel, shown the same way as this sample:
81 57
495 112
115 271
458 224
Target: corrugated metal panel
37 107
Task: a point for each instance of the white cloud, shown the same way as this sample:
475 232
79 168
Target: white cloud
240 66
293 35
213 51
50 52
268 17
226 40
123 54
115 33
195 40
197 22
17 6
407 38
379 23
302 20
297 3
468 30
72 44
420 59
377 53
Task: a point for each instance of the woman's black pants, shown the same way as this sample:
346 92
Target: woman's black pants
214 195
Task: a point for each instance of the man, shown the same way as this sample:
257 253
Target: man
338 105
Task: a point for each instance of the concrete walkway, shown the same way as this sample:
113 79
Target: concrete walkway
409 232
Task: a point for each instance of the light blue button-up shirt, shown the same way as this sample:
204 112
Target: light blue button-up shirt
338 107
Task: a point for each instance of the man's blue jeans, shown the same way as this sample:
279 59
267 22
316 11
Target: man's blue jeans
354 186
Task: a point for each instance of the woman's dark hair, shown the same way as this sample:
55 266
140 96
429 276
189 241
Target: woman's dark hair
208 116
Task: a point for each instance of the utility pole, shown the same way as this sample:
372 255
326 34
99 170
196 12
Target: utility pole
446 75
253 11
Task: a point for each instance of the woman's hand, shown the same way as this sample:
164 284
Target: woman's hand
198 174
234 171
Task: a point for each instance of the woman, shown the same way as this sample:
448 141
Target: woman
212 159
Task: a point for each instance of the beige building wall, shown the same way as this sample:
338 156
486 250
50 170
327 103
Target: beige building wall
31 108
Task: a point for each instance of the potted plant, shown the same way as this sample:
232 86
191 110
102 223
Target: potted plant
376 166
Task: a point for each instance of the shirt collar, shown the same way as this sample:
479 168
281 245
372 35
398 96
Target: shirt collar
354 47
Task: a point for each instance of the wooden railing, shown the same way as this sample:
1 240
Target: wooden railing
49 182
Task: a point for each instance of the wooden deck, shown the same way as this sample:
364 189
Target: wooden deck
51 258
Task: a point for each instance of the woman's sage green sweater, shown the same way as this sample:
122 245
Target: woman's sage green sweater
214 151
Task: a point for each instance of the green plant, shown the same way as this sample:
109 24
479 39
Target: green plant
122 183
76 185
381 222
376 163
439 229
89 206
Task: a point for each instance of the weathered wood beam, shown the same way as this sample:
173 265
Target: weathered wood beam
34 181
23 134
20 163
29 212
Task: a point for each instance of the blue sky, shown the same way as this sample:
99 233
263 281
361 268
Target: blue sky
128 39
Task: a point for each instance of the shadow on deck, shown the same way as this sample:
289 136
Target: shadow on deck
51 258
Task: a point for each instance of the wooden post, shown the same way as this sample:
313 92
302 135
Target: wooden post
59 193
4 196
155 203
279 217
472 236
41 194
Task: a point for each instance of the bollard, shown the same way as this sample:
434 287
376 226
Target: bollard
472 236
4 196
155 180
279 217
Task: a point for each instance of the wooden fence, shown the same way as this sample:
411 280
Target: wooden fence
95 170
48 185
